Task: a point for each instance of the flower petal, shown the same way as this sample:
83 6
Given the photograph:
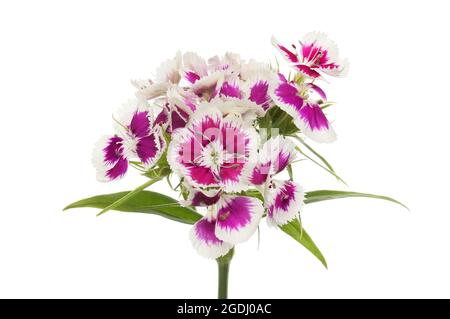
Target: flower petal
194 67
254 69
124 115
247 110
274 156
260 173
178 118
169 71
314 124
259 90
108 159
140 124
308 71
230 89
150 148
287 54
201 176
162 118
286 96
317 90
152 91
199 197
205 242
321 53
279 151
283 201
237 218
208 83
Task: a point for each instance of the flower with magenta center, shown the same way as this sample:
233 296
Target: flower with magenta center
136 138
213 150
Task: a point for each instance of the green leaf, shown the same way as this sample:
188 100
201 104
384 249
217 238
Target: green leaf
266 121
295 230
253 193
146 202
321 166
321 195
322 159
323 106
127 196
276 118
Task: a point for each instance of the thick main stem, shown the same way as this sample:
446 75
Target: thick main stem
224 267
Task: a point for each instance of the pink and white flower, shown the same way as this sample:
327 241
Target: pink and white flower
233 220
273 157
282 199
307 114
178 105
136 138
249 99
167 73
213 150
316 54
229 77
203 77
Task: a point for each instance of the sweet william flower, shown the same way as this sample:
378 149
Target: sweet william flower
316 54
233 220
253 94
136 138
229 76
178 105
213 150
294 98
282 199
167 73
204 77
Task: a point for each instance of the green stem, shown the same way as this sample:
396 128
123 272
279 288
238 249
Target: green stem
129 195
280 120
224 267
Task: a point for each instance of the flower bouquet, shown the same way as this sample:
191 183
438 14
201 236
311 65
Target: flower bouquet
221 132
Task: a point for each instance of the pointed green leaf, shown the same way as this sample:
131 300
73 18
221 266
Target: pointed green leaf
295 230
321 195
253 193
126 197
144 202
320 165
322 159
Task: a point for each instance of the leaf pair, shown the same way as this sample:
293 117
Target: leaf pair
149 202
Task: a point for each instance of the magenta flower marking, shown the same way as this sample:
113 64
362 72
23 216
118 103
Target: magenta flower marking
308 116
259 93
274 156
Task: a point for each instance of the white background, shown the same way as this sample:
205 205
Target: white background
65 66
